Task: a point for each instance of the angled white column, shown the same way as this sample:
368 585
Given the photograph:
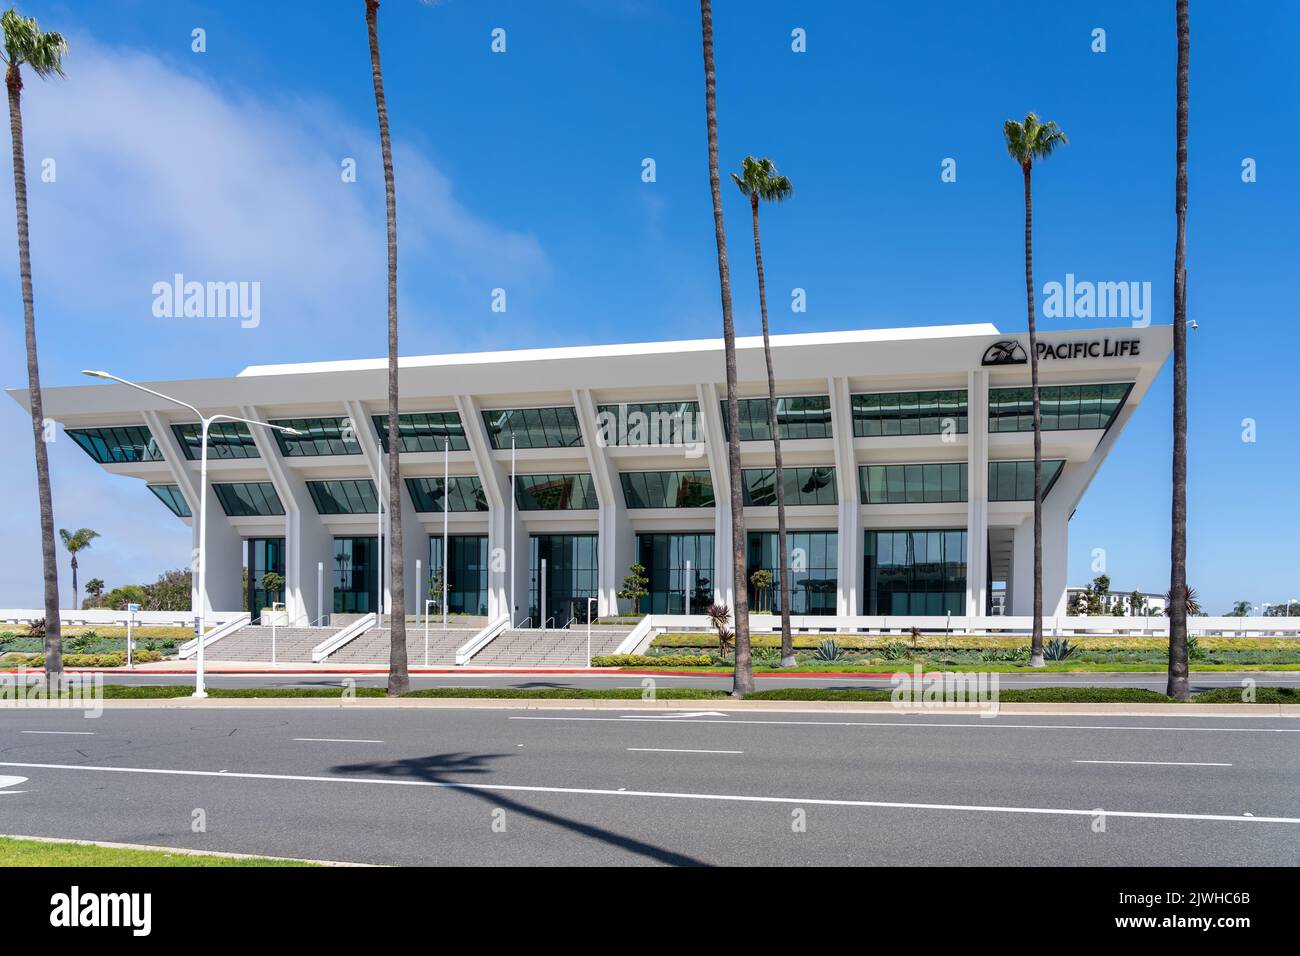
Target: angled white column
498 502
223 580
616 544
306 539
977 491
715 448
849 537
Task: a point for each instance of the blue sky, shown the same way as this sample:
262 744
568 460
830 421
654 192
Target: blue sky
522 171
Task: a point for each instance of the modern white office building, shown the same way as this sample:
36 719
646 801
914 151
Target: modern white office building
908 469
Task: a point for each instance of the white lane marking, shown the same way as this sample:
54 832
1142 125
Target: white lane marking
985 724
673 750
672 715
671 795
335 740
70 733
11 782
1157 763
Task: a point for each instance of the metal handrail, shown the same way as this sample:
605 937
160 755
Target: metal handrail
549 620
519 627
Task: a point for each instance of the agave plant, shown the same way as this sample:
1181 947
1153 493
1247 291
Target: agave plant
893 650
1058 649
828 651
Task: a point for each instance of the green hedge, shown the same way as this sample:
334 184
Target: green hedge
115 659
646 660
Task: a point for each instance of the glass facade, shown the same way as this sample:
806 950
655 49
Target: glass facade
1014 480
909 413
914 572
571 577
650 423
467 577
1063 407
667 489
425 431
349 496
171 496
805 416
665 558
356 575
912 484
263 555
320 436
814 576
226 440
803 486
466 494
247 499
534 427
116 445
555 492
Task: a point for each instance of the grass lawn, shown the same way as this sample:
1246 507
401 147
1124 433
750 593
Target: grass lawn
936 663
42 853
1079 695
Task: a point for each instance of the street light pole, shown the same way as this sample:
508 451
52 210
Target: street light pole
205 422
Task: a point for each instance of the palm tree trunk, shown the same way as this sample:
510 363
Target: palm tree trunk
787 643
49 557
1036 643
75 602
743 682
399 680
1177 685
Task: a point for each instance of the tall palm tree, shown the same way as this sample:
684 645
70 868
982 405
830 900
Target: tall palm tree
743 683
1026 142
1178 595
25 44
760 181
74 541
399 679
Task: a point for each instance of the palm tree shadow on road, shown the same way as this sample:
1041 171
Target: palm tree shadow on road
444 769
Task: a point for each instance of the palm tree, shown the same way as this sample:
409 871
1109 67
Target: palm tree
1179 598
73 542
24 43
399 679
1026 142
743 682
760 181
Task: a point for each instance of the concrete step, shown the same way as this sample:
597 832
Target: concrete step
374 647
253 643
533 647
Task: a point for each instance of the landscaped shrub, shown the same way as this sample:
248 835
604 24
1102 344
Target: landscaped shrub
1058 649
892 650
828 652
646 660
115 659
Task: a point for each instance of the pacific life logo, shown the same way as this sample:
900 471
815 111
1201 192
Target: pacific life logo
76 909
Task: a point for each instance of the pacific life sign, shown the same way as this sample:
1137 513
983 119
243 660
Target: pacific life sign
1011 352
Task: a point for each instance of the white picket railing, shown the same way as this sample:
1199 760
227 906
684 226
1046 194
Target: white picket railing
108 617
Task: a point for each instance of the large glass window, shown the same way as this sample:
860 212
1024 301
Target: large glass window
467 575
116 445
667 489
247 499
814 577
1063 407
570 574
915 572
263 555
425 431
650 423
320 436
909 413
466 494
912 484
344 497
534 427
225 440
676 564
555 492
803 486
171 496
356 575
1014 480
805 416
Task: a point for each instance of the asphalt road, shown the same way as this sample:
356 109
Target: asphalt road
1203 681
516 786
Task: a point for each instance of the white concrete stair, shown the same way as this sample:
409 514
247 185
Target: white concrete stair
535 647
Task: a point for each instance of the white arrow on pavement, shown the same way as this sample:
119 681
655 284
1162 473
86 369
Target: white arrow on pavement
11 782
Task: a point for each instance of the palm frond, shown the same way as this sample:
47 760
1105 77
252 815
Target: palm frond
25 43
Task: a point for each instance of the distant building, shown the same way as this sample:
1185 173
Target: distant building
1155 603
